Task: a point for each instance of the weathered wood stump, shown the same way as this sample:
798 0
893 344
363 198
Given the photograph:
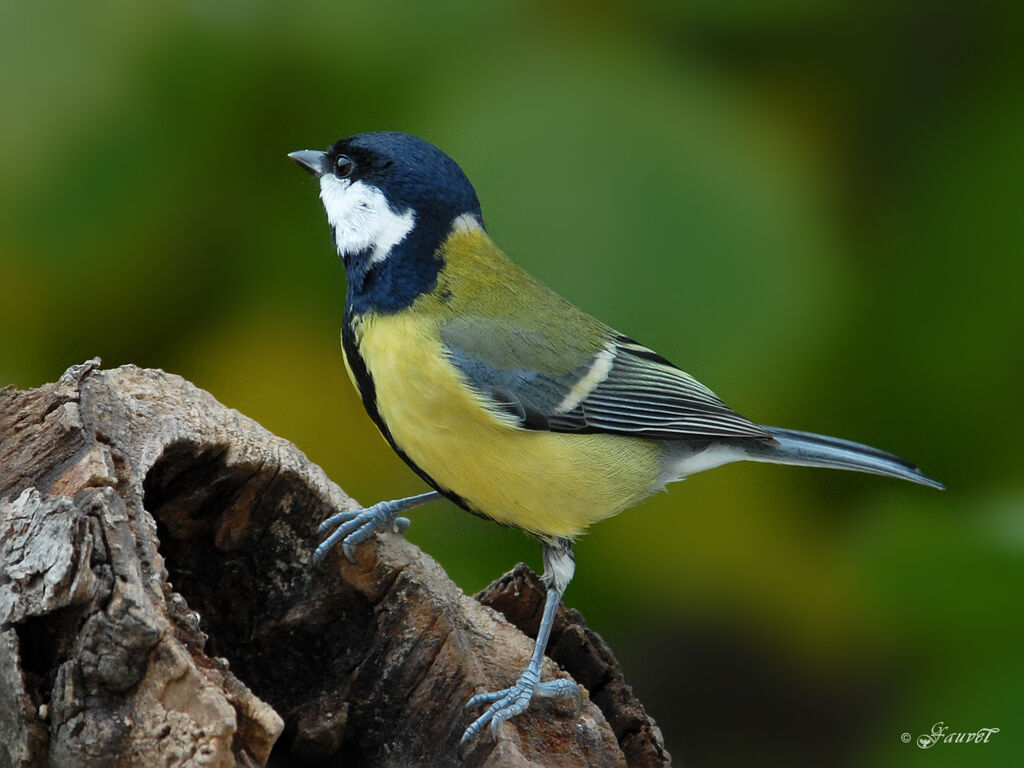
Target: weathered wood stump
158 606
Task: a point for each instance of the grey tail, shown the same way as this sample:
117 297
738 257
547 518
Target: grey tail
810 450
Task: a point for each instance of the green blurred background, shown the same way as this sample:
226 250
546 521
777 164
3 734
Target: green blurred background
815 208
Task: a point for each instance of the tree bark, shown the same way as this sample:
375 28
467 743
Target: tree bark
159 606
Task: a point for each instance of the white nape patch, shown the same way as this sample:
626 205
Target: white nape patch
361 218
467 222
597 373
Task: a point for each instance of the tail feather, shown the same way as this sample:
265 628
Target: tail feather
810 450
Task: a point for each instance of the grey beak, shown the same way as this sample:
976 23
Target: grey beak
310 160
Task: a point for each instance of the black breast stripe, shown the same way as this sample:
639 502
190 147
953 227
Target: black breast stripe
368 393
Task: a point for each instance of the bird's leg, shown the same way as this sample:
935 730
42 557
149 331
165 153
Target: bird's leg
357 525
558 570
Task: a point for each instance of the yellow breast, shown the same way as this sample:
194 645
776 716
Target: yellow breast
550 484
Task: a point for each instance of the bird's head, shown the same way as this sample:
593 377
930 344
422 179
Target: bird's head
391 200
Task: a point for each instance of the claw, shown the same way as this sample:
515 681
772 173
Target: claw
352 528
336 520
506 704
485 698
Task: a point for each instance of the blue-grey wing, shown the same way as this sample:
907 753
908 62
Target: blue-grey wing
621 388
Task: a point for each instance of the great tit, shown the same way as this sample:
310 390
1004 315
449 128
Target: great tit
499 393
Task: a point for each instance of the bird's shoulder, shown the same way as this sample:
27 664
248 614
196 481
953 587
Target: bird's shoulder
534 355
485 301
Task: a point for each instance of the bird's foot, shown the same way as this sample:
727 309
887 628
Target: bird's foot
351 528
513 701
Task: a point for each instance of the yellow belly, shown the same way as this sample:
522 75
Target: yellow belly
547 483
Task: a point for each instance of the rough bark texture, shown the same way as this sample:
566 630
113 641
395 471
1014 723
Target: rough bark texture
158 606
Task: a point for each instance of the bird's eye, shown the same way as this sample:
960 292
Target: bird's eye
344 166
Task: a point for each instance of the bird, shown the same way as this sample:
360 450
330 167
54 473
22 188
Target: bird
505 397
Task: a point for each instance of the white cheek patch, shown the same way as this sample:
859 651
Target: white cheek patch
361 218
